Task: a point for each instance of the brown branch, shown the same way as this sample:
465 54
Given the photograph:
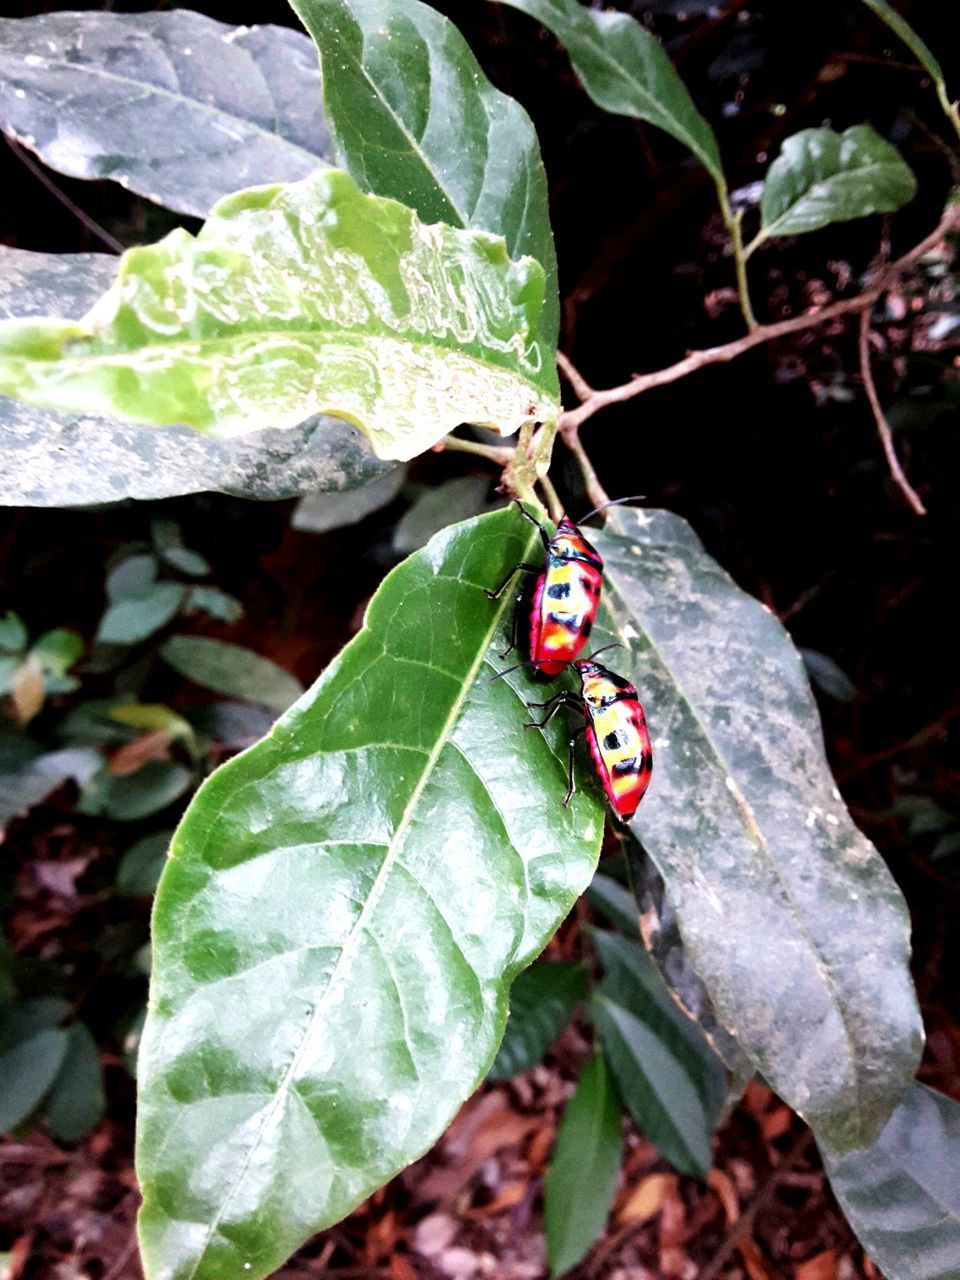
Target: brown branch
573 375
573 419
883 426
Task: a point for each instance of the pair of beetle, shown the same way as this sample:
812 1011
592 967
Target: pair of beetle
564 606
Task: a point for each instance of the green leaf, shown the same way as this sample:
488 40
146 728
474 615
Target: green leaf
59 459
341 917
821 177
174 106
31 1051
902 1194
321 512
582 1178
669 1078
774 887
133 574
214 603
414 117
616 903
168 540
230 669
297 299
910 38
542 1002
77 1101
625 71
828 676
13 634
138 614
141 865
133 796
57 651
22 788
149 716
440 505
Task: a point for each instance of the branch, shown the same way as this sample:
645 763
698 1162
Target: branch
45 180
883 426
572 420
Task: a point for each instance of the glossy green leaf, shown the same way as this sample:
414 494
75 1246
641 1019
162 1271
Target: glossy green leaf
32 1048
305 298
174 106
582 1178
141 865
787 912
414 117
341 917
77 1100
821 177
542 1001
230 669
138 614
132 796
625 71
668 1077
901 1195
59 459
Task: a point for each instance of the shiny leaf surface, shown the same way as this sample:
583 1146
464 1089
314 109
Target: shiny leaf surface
102 459
625 71
583 1173
414 117
787 912
174 106
304 298
340 919
902 1194
821 177
542 1001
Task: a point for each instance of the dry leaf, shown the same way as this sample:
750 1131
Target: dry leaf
776 1123
722 1187
822 1266
400 1268
512 1193
132 755
28 691
753 1260
646 1199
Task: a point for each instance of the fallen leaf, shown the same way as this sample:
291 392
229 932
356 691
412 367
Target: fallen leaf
822 1266
132 755
512 1193
646 1200
400 1269
28 691
722 1187
753 1260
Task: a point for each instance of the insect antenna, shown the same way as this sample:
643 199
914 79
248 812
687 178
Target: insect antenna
615 502
614 644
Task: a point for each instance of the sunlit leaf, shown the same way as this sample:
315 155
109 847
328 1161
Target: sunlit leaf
414 117
901 1195
542 1002
821 177
625 71
174 106
583 1173
787 912
343 911
305 298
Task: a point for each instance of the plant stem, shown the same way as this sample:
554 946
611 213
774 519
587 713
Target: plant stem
554 505
500 454
733 222
883 426
591 481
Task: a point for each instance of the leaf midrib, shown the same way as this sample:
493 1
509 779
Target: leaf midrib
761 842
359 926
195 103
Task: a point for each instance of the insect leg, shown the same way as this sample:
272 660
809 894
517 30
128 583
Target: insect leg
565 698
571 782
517 568
544 536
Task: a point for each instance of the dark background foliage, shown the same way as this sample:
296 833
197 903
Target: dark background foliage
773 458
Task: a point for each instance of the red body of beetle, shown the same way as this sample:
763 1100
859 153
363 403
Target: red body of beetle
565 599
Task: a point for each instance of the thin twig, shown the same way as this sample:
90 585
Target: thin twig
883 426
641 382
500 454
570 431
580 385
554 505
44 178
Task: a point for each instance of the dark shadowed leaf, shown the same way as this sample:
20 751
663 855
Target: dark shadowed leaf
616 903
230 669
414 117
141 865
132 796
583 1172
341 917
77 1100
13 634
902 1194
174 106
910 38
321 512
104 460
787 912
828 676
139 614
214 603
30 782
542 1002
168 540
625 70
31 1050
308 297
821 177
439 505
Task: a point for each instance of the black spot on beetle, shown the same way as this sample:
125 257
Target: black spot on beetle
587 627
627 766
614 740
559 591
569 621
